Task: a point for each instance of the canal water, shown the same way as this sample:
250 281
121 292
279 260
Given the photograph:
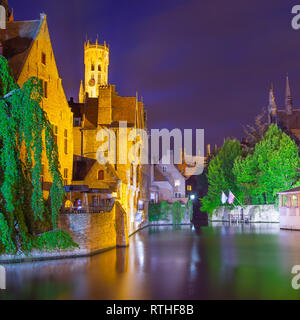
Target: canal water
218 261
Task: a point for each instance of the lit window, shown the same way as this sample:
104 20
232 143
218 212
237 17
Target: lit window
177 183
43 58
66 176
284 201
189 188
100 175
294 201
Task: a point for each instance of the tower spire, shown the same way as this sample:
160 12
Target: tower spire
288 97
81 93
272 108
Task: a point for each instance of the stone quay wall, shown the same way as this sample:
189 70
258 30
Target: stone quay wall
92 232
96 232
252 213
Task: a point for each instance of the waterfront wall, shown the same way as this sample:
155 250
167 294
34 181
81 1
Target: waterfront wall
166 214
252 213
96 232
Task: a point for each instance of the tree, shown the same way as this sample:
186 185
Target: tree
220 176
256 132
25 132
272 167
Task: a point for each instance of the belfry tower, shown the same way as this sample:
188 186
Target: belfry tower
96 60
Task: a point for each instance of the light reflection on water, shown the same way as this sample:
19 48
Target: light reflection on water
214 262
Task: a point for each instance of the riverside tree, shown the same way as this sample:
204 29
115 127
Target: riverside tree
273 167
220 175
25 132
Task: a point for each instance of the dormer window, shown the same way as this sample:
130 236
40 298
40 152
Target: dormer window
43 58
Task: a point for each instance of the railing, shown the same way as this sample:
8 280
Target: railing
105 206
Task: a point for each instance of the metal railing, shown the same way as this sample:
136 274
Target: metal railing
105 205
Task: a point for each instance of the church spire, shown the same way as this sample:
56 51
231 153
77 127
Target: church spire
272 103
81 93
272 108
288 97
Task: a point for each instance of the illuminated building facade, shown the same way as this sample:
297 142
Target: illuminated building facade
28 49
101 108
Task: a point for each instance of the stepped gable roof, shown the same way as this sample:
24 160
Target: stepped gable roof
16 41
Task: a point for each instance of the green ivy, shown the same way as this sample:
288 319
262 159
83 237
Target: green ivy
54 240
161 211
23 127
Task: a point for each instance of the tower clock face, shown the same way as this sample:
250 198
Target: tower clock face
92 82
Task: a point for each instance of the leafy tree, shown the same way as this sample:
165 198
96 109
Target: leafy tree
220 176
25 132
272 167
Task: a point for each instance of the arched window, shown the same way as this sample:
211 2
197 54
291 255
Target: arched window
101 175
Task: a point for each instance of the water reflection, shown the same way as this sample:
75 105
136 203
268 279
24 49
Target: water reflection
219 261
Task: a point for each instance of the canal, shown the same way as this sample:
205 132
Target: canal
219 261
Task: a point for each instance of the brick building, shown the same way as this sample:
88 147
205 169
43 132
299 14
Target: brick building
101 108
28 49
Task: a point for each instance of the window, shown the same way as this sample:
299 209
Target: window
177 183
284 201
77 122
45 89
93 67
294 201
177 195
66 176
140 205
164 169
55 130
66 141
42 174
100 175
131 173
99 67
189 188
43 58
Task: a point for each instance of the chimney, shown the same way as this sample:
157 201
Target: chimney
208 150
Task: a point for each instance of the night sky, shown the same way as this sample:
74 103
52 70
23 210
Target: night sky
197 63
